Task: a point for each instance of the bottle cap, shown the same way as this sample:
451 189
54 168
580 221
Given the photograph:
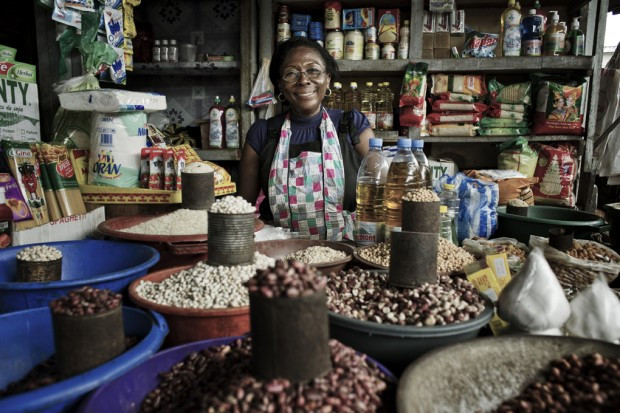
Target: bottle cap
337 85
376 142
403 143
232 99
575 23
554 16
164 42
157 43
406 23
353 85
173 41
443 209
449 187
369 84
418 143
532 12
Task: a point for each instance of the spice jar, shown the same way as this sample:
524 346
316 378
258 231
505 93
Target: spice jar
354 45
156 53
372 49
388 51
334 43
332 15
173 51
164 51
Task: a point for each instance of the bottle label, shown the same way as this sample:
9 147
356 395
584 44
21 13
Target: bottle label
512 34
284 32
554 44
403 50
372 119
385 120
215 128
156 54
334 45
367 233
354 47
5 234
373 51
232 129
575 45
332 18
533 47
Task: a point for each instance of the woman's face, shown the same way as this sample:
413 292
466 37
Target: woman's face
305 95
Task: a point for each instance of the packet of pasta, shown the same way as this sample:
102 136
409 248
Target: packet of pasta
505 114
453 129
62 176
457 97
454 117
48 189
79 160
168 169
448 106
466 84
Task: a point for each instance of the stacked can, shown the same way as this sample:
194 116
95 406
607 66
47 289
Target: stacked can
334 38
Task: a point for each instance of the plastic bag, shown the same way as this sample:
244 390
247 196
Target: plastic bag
517 155
479 44
446 105
478 208
594 313
494 112
454 117
559 108
517 93
504 131
413 90
573 273
262 91
509 187
556 170
464 84
533 300
412 115
453 129
502 123
516 251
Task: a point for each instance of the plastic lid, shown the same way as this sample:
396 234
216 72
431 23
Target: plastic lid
418 143
157 42
337 85
164 42
403 143
532 12
554 16
575 23
376 142
449 187
368 83
232 99
406 23
173 41
511 2
353 85
443 209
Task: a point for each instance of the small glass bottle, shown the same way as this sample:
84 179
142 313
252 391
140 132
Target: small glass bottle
372 49
388 51
332 15
173 51
164 51
403 46
156 53
232 124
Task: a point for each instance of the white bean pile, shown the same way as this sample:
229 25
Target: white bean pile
204 286
421 195
179 222
316 255
39 253
232 205
197 168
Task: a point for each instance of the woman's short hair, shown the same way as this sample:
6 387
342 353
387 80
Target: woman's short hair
283 50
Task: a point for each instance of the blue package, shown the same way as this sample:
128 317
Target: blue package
300 22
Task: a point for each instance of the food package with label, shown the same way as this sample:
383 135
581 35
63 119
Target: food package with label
14 198
449 106
19 104
112 101
389 25
465 84
454 117
359 18
453 129
560 108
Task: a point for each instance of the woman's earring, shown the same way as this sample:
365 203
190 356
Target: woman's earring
328 92
281 97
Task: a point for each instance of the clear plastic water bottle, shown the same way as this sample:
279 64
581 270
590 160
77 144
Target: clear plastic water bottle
370 192
450 198
445 224
403 176
425 167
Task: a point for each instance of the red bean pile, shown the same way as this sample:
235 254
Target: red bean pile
218 379
286 279
589 384
86 301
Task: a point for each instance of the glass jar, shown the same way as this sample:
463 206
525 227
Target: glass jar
164 51
332 15
388 51
156 52
354 45
372 49
283 32
334 43
173 51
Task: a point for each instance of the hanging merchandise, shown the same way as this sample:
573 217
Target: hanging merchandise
556 171
517 155
262 90
68 16
560 106
114 31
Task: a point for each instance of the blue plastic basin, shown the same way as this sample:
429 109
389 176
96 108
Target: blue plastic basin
126 393
28 339
102 264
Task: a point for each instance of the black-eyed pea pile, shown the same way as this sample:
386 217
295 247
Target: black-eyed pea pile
367 296
86 301
231 205
286 279
316 255
39 253
421 195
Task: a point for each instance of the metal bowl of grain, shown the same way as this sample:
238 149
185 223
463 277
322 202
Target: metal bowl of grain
280 249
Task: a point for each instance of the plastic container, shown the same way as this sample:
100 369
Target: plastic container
370 190
575 44
445 225
417 148
29 340
100 264
532 34
192 324
450 198
126 393
368 105
352 98
510 30
554 37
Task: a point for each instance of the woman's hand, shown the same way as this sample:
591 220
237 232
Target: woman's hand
248 174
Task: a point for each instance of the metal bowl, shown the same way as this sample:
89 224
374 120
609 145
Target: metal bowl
280 248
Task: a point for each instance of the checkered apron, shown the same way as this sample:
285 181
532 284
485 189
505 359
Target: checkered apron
306 192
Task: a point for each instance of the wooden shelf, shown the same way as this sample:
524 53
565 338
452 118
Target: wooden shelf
307 6
497 139
219 154
386 135
186 68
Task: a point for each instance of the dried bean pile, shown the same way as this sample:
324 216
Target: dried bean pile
518 203
180 222
316 255
286 279
421 195
450 258
205 286
366 296
510 249
39 253
590 252
86 301
218 379
572 384
232 205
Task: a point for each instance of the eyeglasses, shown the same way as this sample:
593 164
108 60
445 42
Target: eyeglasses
294 75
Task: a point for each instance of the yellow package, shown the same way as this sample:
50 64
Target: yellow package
190 153
79 160
499 264
497 324
129 26
485 282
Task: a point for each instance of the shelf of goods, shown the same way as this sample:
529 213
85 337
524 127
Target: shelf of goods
187 68
593 17
219 154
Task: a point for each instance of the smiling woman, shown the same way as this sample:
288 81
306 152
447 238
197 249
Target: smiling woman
305 160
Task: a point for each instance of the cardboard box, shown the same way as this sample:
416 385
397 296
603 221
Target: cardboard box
428 25
442 22
428 54
441 167
441 40
360 18
442 53
389 25
457 22
75 227
19 104
428 41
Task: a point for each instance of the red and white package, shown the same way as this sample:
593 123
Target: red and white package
457 97
453 129
179 164
156 168
449 106
168 169
412 116
454 117
145 154
505 114
556 170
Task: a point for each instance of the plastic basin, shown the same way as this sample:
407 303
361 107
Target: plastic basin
480 374
397 346
126 393
541 219
283 247
28 339
193 324
101 264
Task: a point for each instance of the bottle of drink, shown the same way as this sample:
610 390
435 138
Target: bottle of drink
532 34
6 219
352 98
450 198
403 176
385 113
232 124
216 124
156 53
575 40
372 51
446 229
554 38
425 167
368 105
173 51
510 30
163 51
370 191
403 46
337 96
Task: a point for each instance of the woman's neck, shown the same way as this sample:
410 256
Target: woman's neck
303 114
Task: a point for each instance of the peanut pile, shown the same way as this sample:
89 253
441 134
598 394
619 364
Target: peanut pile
590 252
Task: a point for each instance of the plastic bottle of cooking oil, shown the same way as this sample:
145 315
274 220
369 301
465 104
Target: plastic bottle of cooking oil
403 176
385 112
554 38
334 101
510 30
352 98
370 191
368 105
425 168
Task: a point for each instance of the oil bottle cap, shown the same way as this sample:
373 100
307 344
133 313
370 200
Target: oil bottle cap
532 12
337 85
232 99
511 2
376 142
443 209
368 84
353 85
449 187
